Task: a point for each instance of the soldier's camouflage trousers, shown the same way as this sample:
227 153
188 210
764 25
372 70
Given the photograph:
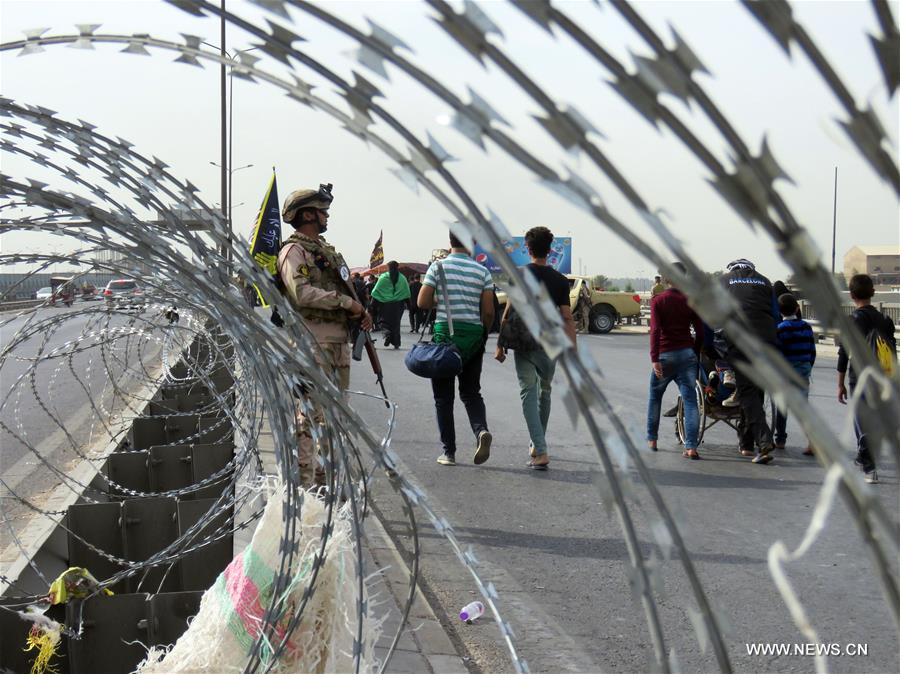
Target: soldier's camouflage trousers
334 359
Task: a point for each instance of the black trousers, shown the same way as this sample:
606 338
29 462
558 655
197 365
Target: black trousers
753 430
390 314
469 393
417 317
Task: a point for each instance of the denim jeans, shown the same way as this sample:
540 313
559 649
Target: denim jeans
679 366
804 370
535 372
469 393
863 452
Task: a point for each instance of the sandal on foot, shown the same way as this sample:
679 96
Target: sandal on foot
538 466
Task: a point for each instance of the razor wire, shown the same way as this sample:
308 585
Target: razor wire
749 191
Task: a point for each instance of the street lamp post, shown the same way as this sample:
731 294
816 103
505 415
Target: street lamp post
227 142
225 190
228 216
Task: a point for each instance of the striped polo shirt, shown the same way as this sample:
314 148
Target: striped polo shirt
466 280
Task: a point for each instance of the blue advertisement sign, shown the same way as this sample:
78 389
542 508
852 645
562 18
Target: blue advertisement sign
560 257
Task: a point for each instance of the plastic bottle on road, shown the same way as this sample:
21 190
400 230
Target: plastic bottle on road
471 612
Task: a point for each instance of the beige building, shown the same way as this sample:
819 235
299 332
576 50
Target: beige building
882 263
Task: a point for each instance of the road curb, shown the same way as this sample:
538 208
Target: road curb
424 632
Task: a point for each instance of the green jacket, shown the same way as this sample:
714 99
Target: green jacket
385 291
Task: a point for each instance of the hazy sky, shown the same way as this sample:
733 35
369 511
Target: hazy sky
171 110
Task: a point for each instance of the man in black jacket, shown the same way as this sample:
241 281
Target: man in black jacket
867 319
415 315
753 292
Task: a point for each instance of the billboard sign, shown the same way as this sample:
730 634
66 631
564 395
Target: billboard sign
560 257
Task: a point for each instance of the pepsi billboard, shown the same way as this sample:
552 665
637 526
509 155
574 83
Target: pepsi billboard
560 257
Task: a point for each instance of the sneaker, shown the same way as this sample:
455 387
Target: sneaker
779 445
673 412
387 341
808 452
728 380
871 477
483 447
447 459
731 401
745 452
762 457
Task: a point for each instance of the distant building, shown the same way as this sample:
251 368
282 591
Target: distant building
882 263
130 267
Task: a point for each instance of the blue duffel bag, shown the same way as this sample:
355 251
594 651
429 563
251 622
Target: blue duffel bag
434 361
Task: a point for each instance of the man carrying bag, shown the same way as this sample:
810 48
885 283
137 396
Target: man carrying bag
467 294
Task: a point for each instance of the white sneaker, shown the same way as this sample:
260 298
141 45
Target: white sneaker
728 379
483 448
871 477
731 401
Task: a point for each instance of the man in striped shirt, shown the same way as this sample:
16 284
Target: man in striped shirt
798 344
471 300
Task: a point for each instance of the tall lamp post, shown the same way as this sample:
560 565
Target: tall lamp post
225 189
227 123
228 217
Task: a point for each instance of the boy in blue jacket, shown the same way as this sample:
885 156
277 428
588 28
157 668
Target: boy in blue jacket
798 344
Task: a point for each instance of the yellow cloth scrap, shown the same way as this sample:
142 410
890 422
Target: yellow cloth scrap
74 583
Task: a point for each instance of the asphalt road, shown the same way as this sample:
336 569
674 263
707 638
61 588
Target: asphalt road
75 389
557 556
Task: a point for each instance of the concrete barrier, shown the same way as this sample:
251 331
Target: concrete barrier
17 306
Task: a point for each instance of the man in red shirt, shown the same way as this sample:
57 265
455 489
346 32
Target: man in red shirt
673 352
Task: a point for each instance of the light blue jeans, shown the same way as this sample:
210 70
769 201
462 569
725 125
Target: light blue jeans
679 366
535 372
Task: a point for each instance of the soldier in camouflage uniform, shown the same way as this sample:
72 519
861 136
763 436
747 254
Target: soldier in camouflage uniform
316 281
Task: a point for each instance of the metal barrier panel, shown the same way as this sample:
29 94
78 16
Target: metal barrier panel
200 568
128 470
170 467
149 526
114 630
100 525
169 614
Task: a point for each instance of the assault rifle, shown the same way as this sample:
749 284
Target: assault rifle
364 341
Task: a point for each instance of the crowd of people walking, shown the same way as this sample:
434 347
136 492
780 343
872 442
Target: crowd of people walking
459 294
684 350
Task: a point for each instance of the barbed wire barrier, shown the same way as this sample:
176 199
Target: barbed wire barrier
265 359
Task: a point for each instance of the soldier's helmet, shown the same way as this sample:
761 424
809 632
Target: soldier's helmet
307 198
